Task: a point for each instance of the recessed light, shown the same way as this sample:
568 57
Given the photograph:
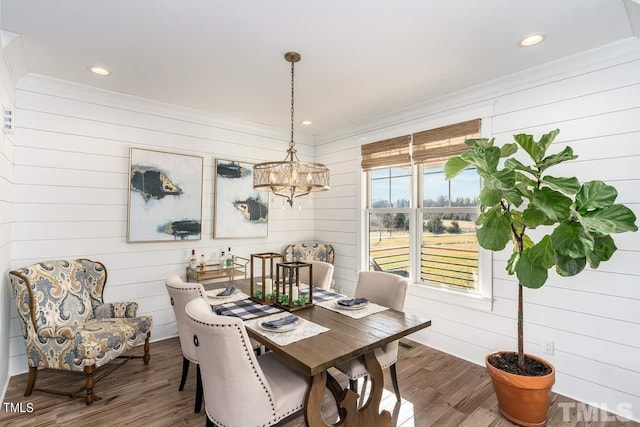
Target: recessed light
531 39
99 71
306 122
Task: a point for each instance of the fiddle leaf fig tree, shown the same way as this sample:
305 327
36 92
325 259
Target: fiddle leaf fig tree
578 219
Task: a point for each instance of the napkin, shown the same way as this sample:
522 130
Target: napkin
228 291
352 302
275 324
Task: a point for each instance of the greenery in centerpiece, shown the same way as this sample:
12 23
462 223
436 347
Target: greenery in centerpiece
576 219
302 300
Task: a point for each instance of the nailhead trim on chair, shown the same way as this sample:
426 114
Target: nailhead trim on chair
253 367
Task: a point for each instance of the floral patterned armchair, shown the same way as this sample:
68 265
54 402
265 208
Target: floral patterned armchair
66 325
310 250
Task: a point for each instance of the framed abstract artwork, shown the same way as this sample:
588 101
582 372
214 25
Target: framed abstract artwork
240 211
165 196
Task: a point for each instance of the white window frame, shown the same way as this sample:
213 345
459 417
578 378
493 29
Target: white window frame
480 298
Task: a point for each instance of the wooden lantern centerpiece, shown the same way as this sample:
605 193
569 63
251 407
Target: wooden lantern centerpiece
288 294
263 291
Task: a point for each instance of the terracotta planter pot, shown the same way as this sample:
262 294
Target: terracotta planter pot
523 400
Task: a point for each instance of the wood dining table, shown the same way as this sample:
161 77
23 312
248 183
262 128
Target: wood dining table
346 339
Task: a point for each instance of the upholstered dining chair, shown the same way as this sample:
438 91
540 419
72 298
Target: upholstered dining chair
67 325
180 294
240 388
309 250
322 274
389 290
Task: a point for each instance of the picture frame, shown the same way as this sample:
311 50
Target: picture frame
165 196
240 212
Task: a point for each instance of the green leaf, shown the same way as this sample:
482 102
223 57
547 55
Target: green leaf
506 178
527 242
495 232
513 262
553 204
513 197
508 149
542 253
533 217
488 158
454 166
566 185
490 197
597 225
529 145
567 266
547 139
530 274
594 195
621 216
572 240
480 142
517 165
520 177
603 249
524 190
554 159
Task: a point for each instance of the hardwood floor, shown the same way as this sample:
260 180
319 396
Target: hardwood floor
437 390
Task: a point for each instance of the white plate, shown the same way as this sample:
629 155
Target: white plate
214 293
353 307
284 328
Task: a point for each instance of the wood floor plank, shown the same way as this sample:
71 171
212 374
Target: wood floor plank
437 390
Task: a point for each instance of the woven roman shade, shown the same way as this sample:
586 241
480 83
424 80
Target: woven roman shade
392 152
434 147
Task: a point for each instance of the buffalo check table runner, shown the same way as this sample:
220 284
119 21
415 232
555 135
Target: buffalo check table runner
245 309
320 295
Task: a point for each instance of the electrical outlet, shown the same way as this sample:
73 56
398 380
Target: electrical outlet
547 347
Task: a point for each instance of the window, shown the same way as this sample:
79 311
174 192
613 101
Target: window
418 224
448 244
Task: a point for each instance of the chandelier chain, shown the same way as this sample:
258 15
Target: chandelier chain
291 143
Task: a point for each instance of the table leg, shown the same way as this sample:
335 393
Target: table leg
313 401
350 416
368 414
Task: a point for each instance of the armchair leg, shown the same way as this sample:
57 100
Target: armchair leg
394 380
146 356
185 371
89 397
209 423
31 381
198 406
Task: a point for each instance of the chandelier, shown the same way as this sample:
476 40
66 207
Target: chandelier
291 178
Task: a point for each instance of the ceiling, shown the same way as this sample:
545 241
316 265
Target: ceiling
360 58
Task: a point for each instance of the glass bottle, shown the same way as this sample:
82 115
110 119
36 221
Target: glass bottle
193 261
229 260
203 262
223 260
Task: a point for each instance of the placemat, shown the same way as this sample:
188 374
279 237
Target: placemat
320 295
219 301
370 308
245 309
306 329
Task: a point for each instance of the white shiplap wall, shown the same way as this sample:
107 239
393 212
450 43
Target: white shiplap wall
594 319
7 99
71 158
